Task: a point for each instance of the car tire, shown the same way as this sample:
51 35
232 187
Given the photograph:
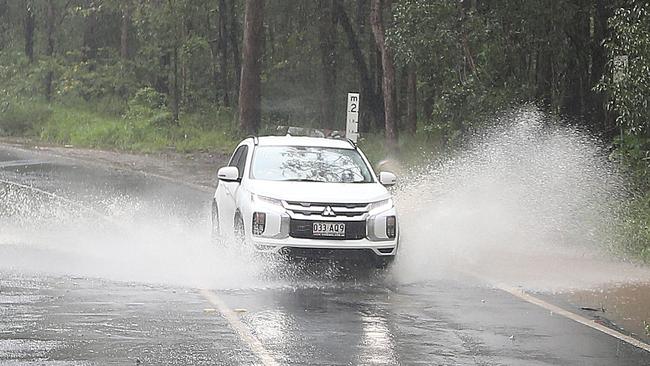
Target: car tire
239 230
384 262
215 230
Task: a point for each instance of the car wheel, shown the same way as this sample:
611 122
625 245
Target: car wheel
239 230
384 262
215 231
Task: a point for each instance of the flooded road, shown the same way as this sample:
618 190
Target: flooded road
100 266
626 305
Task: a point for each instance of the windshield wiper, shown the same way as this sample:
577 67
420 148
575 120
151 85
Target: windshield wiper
302 180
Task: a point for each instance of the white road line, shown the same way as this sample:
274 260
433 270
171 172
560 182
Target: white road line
62 199
231 317
554 309
14 163
233 320
104 164
240 328
572 316
49 194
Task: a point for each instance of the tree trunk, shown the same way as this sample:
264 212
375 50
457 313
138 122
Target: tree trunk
577 77
411 100
223 53
29 30
176 104
124 30
4 26
328 63
176 94
89 49
388 72
250 97
598 62
162 78
429 98
49 49
234 45
373 109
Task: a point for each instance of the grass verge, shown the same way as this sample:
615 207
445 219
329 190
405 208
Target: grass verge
83 127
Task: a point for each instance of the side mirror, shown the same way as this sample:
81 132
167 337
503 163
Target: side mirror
387 179
228 174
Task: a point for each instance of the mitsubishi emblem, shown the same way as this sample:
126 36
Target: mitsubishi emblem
328 211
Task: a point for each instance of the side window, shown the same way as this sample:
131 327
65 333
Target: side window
235 157
241 163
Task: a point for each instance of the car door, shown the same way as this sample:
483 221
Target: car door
227 192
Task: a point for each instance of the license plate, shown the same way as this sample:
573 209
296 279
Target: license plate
335 229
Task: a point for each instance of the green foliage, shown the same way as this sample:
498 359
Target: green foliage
411 150
460 59
85 129
634 229
17 76
148 104
628 86
628 83
633 152
21 118
423 26
91 80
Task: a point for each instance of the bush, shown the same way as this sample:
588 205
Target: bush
69 125
634 229
20 118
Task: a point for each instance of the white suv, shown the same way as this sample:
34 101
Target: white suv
304 196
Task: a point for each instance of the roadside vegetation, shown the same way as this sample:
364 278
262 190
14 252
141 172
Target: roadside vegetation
151 76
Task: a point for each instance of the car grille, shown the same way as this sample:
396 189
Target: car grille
354 230
334 254
349 210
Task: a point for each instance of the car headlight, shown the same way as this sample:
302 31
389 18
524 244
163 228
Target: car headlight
380 206
259 223
267 200
391 226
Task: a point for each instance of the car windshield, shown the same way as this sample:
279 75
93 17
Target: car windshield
309 164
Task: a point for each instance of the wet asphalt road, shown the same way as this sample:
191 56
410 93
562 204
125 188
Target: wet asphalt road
66 306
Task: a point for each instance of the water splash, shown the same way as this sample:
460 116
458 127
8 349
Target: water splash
123 239
530 202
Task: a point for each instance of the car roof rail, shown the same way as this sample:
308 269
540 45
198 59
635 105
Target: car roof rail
354 144
256 140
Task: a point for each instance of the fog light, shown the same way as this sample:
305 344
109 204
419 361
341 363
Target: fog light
259 223
391 226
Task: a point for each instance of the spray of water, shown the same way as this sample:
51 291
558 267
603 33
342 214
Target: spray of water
528 203
124 239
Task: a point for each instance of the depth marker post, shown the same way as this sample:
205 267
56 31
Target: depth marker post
352 123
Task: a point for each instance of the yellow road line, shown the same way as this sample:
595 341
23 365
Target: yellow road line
240 328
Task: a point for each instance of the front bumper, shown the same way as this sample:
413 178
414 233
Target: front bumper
275 246
278 234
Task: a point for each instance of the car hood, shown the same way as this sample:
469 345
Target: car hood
320 192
